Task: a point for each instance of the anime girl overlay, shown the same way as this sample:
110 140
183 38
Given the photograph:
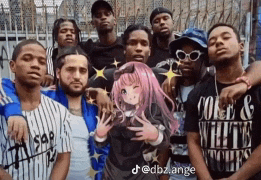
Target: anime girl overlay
142 121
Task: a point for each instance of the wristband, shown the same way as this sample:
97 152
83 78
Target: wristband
246 80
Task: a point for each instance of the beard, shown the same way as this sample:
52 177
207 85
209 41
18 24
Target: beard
225 62
69 91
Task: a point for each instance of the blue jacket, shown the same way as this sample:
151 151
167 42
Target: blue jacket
97 155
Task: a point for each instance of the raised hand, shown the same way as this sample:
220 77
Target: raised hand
147 132
103 126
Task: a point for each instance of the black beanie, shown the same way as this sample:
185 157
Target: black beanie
157 11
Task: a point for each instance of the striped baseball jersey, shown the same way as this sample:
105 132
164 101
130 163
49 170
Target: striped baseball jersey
49 134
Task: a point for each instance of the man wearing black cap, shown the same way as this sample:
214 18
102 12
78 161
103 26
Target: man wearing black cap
162 26
108 49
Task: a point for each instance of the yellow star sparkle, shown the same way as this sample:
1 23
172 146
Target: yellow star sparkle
178 62
105 92
155 159
100 73
170 74
91 100
96 155
92 173
115 63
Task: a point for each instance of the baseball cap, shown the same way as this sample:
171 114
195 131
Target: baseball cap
100 4
193 34
157 11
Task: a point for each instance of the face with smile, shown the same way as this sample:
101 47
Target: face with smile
138 46
131 94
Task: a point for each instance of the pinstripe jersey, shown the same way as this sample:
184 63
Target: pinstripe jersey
49 134
49 63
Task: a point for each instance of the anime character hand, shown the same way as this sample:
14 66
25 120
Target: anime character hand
230 94
47 81
103 126
17 128
147 132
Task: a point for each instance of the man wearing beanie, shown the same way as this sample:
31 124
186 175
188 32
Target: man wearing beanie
162 26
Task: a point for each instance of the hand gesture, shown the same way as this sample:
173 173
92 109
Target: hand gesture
230 94
17 128
147 132
103 126
169 87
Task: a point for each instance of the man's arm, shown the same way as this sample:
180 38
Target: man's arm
196 156
250 167
4 175
232 93
61 166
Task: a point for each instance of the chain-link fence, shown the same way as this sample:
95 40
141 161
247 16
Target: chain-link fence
23 19
32 16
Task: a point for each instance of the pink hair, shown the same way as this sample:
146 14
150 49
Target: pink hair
151 91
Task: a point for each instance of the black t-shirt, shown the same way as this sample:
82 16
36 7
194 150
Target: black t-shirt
159 58
102 56
227 138
107 83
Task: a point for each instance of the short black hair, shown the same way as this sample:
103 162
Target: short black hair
56 27
134 27
19 46
227 25
70 50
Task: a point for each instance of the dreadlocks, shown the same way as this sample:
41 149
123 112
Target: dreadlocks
56 27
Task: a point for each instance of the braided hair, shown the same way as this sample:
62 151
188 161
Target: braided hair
56 26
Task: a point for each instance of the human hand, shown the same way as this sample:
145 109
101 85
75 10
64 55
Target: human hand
48 80
147 132
169 87
103 126
17 128
230 94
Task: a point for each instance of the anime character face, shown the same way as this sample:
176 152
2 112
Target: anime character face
131 94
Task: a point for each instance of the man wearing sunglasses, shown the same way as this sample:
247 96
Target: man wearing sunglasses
189 50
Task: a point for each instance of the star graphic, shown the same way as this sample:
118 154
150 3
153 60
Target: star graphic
115 63
100 73
90 100
155 159
170 74
178 62
105 92
96 155
92 173
172 148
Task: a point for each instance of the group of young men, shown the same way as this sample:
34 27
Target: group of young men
217 112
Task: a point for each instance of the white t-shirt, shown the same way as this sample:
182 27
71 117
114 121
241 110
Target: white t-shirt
80 158
50 134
